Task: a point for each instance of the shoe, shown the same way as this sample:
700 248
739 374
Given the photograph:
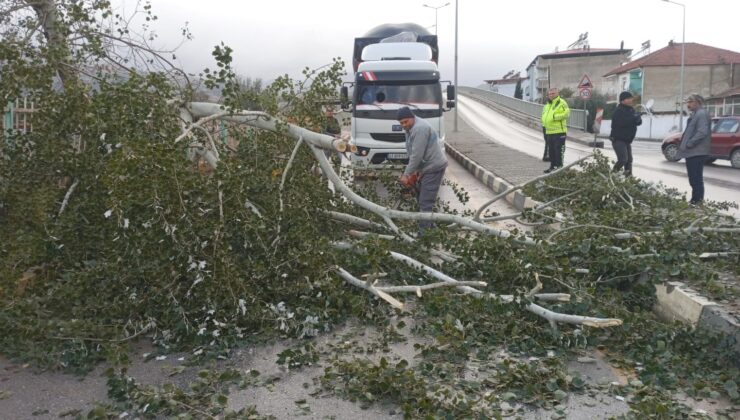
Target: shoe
547 171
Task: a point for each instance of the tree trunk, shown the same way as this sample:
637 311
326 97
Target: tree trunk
48 16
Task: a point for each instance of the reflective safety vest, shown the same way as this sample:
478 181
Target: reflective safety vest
555 116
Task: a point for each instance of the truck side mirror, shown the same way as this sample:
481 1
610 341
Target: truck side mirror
450 93
344 97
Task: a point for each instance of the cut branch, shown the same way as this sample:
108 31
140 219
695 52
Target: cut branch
522 185
66 196
349 278
317 141
550 316
348 218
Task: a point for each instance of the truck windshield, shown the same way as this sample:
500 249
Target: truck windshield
375 93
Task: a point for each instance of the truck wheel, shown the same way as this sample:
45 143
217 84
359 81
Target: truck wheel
671 153
735 158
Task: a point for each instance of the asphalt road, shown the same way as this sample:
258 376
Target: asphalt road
722 182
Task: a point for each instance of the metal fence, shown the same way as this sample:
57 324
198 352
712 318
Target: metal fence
576 120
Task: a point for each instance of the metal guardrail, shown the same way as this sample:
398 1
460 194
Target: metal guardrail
576 120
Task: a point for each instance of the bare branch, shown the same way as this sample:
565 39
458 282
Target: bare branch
66 197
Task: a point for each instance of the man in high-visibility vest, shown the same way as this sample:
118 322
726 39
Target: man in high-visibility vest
555 121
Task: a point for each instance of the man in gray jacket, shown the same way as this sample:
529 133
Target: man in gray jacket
427 161
695 146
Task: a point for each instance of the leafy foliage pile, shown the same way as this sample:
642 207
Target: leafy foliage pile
604 204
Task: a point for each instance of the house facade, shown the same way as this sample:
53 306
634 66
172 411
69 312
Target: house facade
565 69
710 72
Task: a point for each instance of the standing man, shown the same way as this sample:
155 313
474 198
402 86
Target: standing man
624 127
695 146
555 120
427 161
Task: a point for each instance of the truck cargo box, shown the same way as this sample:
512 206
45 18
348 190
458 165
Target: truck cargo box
381 32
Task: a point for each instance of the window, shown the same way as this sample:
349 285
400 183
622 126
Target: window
427 93
733 107
725 126
714 110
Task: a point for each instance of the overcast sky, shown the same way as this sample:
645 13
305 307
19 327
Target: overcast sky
273 37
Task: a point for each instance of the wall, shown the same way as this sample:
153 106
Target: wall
526 88
532 94
504 89
656 127
662 84
567 72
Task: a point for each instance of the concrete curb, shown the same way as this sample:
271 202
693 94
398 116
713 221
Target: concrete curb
495 183
678 302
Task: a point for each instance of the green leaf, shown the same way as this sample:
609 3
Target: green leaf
560 395
731 388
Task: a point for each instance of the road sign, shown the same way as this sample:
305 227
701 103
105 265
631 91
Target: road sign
585 82
584 93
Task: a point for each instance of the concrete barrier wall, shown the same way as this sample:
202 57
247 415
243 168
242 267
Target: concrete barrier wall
656 127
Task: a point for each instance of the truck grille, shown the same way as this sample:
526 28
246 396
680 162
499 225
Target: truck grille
389 137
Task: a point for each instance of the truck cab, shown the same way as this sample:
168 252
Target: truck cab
390 75
381 88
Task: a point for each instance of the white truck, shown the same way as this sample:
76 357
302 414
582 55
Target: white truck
395 66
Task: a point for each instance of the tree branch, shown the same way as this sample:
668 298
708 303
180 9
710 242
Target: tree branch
66 197
550 316
478 213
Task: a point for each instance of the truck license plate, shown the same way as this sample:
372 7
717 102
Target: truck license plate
397 156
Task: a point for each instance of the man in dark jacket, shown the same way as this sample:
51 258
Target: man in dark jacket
624 127
695 145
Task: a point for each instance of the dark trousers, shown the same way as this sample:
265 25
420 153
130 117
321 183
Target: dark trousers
695 170
428 189
624 156
556 144
546 155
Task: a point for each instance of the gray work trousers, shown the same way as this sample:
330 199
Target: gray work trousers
623 150
428 189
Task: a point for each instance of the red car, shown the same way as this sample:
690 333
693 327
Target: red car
725 141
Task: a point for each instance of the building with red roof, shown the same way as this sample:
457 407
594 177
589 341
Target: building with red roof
709 71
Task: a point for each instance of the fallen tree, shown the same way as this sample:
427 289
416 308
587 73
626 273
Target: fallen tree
111 235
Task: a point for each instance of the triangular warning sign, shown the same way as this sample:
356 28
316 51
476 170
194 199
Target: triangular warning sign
585 82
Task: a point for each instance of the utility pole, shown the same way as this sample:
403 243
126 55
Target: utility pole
436 9
683 58
456 85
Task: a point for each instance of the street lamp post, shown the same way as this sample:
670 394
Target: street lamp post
683 57
436 9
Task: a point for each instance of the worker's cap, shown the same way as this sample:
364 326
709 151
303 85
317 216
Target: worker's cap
695 98
404 113
624 95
